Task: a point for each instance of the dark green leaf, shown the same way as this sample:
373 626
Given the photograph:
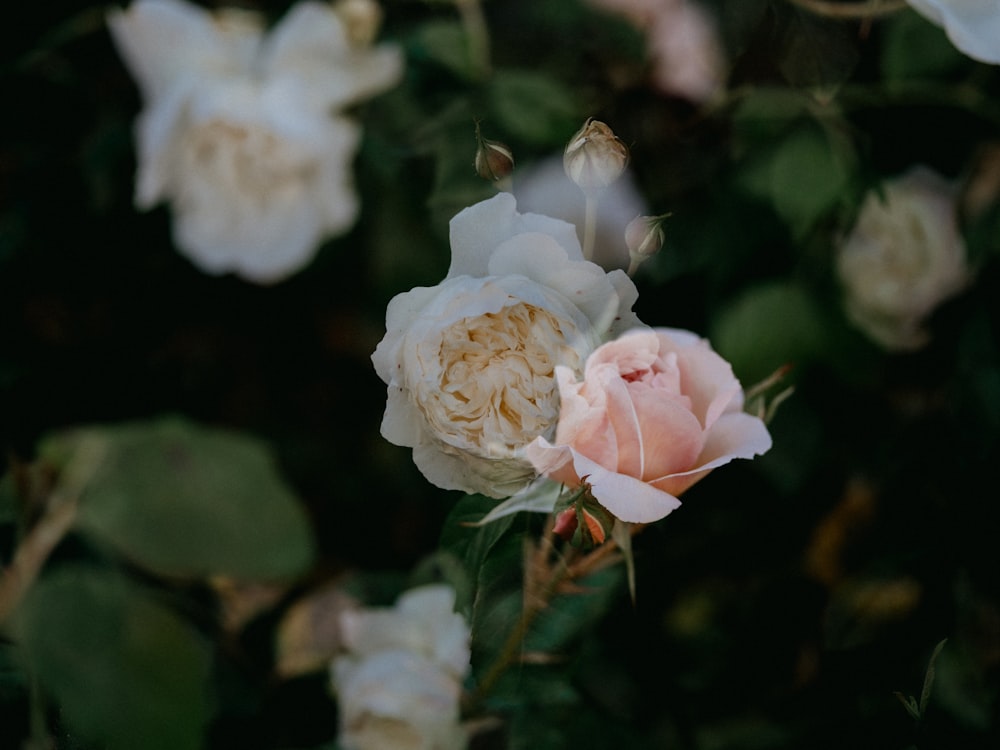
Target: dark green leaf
534 108
803 176
184 500
125 670
768 326
915 48
445 43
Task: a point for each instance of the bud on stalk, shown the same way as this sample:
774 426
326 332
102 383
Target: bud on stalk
595 157
494 161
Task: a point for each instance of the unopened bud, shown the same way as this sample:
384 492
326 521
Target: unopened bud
595 157
565 524
361 19
644 237
494 161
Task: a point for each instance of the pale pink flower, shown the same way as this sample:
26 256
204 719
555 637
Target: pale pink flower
687 56
656 411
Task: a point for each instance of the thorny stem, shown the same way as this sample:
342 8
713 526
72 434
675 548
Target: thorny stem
569 567
858 10
478 34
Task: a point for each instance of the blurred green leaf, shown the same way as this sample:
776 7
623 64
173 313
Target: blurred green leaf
123 668
803 176
533 107
915 48
570 615
445 43
184 500
768 326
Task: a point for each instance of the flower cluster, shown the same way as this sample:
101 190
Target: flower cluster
241 131
400 679
482 369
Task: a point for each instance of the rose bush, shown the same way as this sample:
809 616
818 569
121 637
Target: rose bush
240 133
399 682
655 412
972 25
902 258
470 363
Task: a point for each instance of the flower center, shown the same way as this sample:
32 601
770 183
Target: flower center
497 388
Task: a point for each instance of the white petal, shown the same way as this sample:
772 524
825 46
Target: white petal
478 230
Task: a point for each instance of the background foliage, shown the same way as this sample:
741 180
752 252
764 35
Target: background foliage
236 427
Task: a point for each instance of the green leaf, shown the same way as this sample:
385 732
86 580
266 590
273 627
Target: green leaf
925 692
124 669
916 49
803 176
534 108
445 43
768 326
184 500
570 615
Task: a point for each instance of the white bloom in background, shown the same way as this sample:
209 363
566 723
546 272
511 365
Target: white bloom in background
470 363
688 60
972 25
399 682
903 257
240 131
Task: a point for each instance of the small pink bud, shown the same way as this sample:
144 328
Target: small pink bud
565 524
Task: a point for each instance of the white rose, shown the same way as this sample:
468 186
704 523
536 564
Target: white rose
423 622
470 363
397 700
240 132
903 257
399 682
972 25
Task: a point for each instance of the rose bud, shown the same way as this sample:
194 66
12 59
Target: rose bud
565 524
595 157
644 238
494 161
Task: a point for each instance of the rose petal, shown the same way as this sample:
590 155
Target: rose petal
734 435
628 498
477 231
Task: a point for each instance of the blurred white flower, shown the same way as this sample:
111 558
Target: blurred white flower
470 363
972 25
240 131
903 257
399 683
687 56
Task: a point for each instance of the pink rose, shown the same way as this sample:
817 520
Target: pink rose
656 411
